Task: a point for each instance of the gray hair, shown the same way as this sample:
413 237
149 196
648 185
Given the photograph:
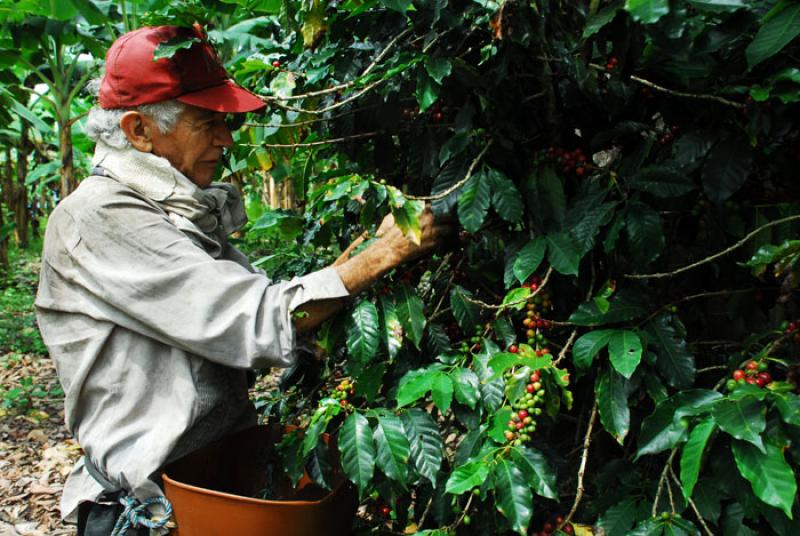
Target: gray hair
103 125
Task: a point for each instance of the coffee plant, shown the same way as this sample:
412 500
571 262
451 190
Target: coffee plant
609 340
600 345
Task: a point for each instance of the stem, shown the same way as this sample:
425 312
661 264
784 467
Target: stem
691 503
674 93
715 256
566 348
354 96
501 307
587 441
662 481
311 121
312 143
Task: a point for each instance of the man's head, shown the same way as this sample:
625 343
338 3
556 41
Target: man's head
172 107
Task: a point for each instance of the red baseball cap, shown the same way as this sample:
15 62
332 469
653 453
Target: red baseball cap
193 75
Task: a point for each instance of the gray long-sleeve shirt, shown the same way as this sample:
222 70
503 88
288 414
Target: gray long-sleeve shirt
151 336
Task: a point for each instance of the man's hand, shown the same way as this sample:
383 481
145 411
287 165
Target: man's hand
400 247
391 249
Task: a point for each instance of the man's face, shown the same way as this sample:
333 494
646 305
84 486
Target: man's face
196 144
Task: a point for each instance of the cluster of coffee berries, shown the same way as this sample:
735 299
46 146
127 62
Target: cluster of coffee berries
533 323
523 414
342 391
550 526
276 64
612 63
792 329
753 373
474 342
570 161
669 135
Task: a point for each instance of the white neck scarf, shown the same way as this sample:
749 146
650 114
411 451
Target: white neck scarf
207 216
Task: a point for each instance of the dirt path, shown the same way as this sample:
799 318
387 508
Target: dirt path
36 452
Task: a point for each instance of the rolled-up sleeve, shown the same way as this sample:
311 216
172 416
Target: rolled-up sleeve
132 267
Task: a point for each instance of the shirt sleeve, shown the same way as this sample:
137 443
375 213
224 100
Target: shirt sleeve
132 267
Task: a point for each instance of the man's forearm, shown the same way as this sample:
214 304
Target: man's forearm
357 274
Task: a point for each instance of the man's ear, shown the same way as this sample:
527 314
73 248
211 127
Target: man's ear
138 129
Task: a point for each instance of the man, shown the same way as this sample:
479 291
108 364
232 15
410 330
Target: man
152 318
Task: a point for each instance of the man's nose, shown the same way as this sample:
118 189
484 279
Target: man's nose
222 136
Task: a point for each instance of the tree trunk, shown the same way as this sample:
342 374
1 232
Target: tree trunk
3 242
67 166
20 206
7 171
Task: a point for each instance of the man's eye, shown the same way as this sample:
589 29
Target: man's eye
234 121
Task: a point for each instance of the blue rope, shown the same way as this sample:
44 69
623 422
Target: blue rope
138 515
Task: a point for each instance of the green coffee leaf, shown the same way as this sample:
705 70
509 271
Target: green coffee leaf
692 454
363 337
357 449
589 345
775 34
513 497
442 391
473 202
466 386
674 361
506 199
772 479
466 313
668 425
529 258
415 385
625 351
466 477
411 313
427 447
647 11
563 253
392 328
393 448
537 470
744 419
612 403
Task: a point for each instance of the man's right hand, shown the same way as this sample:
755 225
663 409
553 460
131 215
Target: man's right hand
399 247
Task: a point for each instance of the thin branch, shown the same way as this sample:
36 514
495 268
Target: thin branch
709 369
587 441
354 96
311 143
715 256
349 84
662 481
675 93
566 348
77 118
459 184
501 307
691 503
311 121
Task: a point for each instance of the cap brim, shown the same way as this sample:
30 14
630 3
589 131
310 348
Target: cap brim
227 97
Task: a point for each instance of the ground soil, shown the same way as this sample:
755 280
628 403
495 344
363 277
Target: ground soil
36 453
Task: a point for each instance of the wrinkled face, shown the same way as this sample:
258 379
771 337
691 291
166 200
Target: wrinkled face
195 145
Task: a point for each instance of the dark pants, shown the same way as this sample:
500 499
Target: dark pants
99 519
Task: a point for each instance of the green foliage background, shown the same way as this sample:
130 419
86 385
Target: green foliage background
668 254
